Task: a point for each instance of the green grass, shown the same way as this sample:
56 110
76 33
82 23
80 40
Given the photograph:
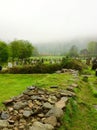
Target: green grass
82 116
14 84
80 113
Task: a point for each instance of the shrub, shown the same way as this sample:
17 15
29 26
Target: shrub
73 64
38 68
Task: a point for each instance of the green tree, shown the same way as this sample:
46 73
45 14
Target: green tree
14 49
3 52
73 52
20 49
84 53
92 48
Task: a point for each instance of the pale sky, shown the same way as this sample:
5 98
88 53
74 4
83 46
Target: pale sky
47 20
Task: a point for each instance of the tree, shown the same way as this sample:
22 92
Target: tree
20 49
84 52
73 52
3 52
92 48
13 49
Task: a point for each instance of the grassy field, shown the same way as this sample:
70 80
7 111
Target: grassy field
12 85
80 113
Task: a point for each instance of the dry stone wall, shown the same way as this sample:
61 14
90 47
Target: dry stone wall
36 109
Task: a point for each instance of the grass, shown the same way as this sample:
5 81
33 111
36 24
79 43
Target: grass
80 113
82 116
14 84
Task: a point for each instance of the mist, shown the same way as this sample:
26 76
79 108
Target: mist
44 21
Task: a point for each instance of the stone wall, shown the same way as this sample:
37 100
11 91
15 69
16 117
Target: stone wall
36 109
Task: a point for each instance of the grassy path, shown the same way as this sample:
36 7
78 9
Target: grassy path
86 116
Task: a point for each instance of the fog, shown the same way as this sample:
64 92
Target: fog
41 21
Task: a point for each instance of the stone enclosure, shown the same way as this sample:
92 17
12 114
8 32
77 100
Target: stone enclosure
36 109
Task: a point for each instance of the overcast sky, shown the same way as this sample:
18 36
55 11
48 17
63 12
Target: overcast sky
47 20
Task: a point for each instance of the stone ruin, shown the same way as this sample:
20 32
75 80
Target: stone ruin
36 109
70 71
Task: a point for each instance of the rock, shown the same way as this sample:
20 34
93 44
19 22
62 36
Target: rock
11 121
70 88
36 97
58 72
55 111
35 109
62 103
30 104
8 102
41 115
52 99
41 126
27 113
67 93
48 127
19 105
4 115
10 109
41 92
74 85
31 88
3 123
47 105
51 120
22 127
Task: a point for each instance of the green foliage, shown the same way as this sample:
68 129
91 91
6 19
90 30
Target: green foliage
38 68
73 64
73 52
3 52
84 52
71 110
85 79
92 48
20 49
93 90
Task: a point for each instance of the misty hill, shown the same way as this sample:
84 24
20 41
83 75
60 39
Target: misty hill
59 48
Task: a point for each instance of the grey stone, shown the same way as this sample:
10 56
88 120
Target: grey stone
58 72
41 126
48 127
55 111
4 115
61 104
27 113
36 97
52 99
31 88
3 123
67 93
51 120
19 105
8 102
47 105
74 85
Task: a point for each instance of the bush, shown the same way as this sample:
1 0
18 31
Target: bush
38 68
73 64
